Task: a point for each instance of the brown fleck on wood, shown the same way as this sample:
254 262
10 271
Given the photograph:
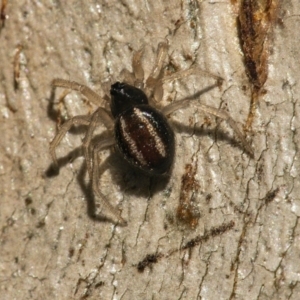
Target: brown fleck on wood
3 16
186 212
255 20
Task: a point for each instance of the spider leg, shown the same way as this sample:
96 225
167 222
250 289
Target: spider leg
154 82
95 178
136 77
194 70
138 70
167 110
99 116
161 54
83 89
78 120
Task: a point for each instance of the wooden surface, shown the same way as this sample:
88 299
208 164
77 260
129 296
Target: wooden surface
246 243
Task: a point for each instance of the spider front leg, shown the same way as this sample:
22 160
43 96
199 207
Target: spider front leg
154 84
136 77
95 178
138 70
83 89
167 110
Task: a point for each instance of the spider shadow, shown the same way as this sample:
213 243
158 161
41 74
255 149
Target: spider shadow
216 133
130 180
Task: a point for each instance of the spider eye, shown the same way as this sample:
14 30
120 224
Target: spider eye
125 96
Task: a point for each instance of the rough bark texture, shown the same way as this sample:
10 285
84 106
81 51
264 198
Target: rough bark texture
246 243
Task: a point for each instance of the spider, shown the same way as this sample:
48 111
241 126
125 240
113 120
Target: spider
137 125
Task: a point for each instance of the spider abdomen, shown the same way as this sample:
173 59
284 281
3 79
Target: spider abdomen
145 139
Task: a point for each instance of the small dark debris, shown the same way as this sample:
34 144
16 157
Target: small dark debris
71 252
28 201
151 259
40 224
215 231
148 261
270 196
99 284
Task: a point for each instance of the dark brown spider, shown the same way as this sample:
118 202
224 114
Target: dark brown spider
140 132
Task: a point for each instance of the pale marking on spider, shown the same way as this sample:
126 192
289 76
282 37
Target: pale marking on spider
158 141
131 143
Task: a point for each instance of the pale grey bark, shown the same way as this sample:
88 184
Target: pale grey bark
51 248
